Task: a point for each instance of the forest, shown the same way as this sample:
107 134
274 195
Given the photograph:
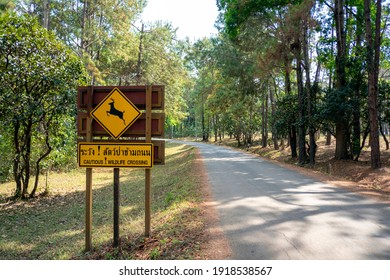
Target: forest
282 71
291 70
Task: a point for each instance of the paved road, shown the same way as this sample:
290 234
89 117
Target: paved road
268 212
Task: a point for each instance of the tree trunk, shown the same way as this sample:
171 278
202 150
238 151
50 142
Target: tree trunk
373 54
342 141
17 163
328 138
293 141
26 159
357 82
139 61
84 20
204 132
356 131
309 95
366 132
273 88
264 131
384 137
302 156
215 124
37 164
46 13
356 125
342 151
330 84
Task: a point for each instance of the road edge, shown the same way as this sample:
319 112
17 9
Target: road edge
216 245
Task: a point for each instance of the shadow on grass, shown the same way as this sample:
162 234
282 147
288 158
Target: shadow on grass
53 227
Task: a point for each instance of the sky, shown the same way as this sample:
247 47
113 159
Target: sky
194 19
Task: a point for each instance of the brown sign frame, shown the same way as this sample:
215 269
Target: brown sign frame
136 94
145 98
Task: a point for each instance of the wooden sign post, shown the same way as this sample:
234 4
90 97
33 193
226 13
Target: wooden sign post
116 207
148 139
109 125
88 175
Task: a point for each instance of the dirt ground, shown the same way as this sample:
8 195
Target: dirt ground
215 245
356 176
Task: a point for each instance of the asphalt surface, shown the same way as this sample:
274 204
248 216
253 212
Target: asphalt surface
269 212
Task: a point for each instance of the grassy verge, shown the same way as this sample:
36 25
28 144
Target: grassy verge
52 227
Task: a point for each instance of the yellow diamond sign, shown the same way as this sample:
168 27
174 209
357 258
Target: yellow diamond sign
116 113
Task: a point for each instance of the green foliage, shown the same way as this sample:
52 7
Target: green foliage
63 142
384 101
39 77
98 31
286 114
5 155
225 97
214 86
162 63
114 51
335 108
267 39
6 5
236 12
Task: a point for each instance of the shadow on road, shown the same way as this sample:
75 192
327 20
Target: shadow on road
268 212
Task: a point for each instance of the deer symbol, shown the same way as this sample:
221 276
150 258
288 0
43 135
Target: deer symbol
115 112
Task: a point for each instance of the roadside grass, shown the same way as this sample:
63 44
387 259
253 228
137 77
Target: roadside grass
52 226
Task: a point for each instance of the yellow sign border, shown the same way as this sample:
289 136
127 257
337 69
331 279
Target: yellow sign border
103 101
121 155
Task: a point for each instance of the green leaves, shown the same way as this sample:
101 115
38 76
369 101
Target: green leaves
39 77
236 12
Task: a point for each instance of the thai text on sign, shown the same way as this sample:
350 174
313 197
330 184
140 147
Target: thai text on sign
115 155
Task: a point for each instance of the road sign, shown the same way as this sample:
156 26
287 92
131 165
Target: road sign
136 94
115 113
137 129
115 154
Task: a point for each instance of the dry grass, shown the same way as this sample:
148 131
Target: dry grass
52 227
